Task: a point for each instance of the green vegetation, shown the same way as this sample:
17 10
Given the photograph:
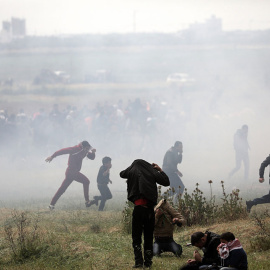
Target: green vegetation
197 209
88 239
70 238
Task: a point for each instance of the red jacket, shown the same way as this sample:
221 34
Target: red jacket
76 156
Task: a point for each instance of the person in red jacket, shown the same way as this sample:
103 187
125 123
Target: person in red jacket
76 155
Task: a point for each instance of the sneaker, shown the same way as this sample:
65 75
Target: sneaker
249 204
89 203
51 207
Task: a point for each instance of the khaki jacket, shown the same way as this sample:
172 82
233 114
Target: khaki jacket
164 223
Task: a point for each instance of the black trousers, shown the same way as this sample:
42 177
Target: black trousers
175 182
143 222
105 195
262 200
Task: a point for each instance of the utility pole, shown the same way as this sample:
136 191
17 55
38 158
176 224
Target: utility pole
134 21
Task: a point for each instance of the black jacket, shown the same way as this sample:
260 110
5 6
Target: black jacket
210 249
103 179
264 164
171 159
142 180
237 258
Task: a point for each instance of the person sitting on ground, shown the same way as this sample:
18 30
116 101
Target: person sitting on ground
208 243
231 252
165 219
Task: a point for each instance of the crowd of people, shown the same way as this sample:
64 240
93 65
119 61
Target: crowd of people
155 220
152 219
133 122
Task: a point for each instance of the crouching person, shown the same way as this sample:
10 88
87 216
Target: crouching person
165 219
208 243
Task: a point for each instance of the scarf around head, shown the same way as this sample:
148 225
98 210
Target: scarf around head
224 249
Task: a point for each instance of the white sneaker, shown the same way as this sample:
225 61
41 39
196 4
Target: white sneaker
51 207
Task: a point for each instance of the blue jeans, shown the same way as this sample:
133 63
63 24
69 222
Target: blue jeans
170 245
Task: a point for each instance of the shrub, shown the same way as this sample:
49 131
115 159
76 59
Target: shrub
22 237
232 207
196 209
261 241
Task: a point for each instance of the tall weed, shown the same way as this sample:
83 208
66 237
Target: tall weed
196 208
232 207
22 236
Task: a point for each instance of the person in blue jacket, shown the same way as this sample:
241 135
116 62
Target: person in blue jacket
231 252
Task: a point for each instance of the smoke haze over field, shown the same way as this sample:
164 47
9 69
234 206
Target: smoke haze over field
203 121
118 98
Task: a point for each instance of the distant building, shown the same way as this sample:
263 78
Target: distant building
18 27
211 28
5 33
214 25
14 29
6 26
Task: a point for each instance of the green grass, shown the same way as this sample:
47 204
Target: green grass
88 239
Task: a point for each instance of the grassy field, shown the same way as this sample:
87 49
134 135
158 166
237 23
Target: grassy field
74 238
88 239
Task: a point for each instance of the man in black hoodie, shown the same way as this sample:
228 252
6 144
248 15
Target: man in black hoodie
142 179
208 243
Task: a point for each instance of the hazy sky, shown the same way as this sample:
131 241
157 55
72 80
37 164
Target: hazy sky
49 17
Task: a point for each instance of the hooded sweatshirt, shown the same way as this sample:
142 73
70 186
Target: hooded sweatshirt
142 181
76 156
